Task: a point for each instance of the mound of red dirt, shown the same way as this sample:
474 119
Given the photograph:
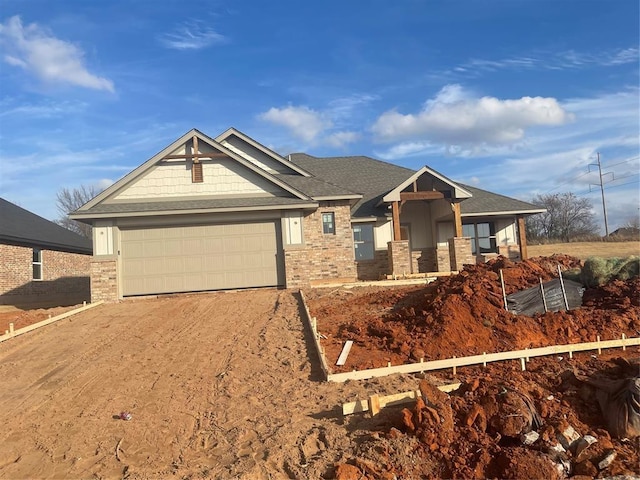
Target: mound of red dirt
500 423
464 315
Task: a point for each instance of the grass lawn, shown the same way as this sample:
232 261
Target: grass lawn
583 250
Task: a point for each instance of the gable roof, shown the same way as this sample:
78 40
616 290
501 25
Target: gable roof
375 179
489 203
95 205
366 176
267 151
21 227
394 195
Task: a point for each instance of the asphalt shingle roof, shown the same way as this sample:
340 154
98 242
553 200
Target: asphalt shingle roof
374 178
21 227
364 175
488 202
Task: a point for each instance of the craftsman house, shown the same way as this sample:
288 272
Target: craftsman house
43 264
227 212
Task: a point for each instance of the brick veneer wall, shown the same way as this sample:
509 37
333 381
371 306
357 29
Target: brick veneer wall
399 257
443 258
374 269
104 279
65 278
460 252
322 257
424 260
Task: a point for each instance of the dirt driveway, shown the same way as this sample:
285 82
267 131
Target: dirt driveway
219 385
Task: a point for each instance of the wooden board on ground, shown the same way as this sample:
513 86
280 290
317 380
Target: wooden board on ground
389 400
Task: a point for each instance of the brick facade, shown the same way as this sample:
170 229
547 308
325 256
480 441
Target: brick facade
65 278
460 252
104 279
374 269
443 258
322 256
399 257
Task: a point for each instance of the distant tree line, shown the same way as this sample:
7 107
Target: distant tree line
567 218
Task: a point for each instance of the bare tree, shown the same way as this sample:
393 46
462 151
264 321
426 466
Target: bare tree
69 200
567 217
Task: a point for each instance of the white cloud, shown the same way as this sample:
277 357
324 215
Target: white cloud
455 117
192 35
50 59
340 139
303 122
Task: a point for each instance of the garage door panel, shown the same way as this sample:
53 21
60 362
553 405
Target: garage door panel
194 258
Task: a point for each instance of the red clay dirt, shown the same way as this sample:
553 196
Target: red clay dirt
476 432
464 315
23 318
227 385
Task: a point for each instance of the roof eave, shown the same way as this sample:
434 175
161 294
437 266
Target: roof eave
502 213
95 216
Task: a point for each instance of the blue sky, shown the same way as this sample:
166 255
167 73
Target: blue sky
513 96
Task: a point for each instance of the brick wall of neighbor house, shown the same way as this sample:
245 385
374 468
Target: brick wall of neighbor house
375 269
104 282
65 278
512 252
399 257
460 252
323 256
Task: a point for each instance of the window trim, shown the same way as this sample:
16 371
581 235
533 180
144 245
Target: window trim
36 261
475 239
331 224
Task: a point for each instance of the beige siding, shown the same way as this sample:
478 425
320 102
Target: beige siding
221 177
383 234
255 156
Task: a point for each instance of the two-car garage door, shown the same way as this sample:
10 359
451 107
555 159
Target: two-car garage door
205 257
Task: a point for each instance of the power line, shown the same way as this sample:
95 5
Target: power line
620 163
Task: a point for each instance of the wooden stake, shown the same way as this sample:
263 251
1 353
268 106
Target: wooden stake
624 347
345 352
504 294
454 367
544 300
11 328
484 359
598 342
570 353
374 405
522 364
564 294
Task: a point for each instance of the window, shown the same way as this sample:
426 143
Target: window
196 173
363 242
37 264
483 237
328 223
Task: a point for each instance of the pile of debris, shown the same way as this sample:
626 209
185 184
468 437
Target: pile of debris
510 428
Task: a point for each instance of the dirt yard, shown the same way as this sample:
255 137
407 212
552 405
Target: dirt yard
218 386
227 385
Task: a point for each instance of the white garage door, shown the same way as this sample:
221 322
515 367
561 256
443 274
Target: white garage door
196 258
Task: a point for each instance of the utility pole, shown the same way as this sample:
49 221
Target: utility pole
604 205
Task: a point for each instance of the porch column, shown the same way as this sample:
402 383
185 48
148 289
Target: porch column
396 220
457 219
522 237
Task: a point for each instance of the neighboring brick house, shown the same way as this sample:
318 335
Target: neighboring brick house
43 264
227 212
